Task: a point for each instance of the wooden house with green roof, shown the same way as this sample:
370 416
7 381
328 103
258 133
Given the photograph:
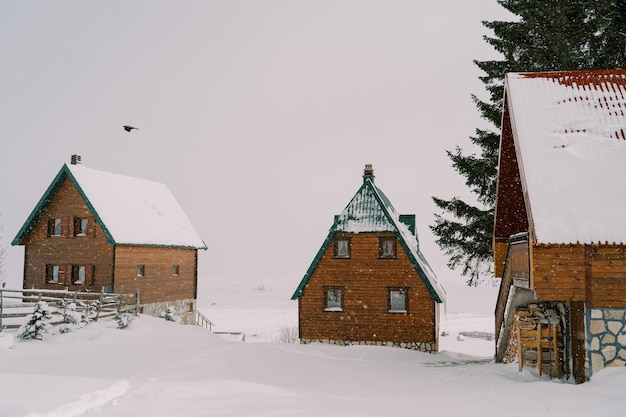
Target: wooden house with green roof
369 283
95 230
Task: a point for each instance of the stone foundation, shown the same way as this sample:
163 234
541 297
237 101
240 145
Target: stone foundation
428 347
606 338
184 309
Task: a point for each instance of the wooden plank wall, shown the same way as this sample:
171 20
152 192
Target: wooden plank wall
559 272
595 274
365 279
607 286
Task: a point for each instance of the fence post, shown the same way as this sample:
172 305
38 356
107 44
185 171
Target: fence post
99 307
137 304
119 305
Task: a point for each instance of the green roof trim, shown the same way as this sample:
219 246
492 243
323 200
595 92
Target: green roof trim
370 211
35 216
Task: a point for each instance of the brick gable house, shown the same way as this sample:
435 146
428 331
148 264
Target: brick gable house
369 283
98 231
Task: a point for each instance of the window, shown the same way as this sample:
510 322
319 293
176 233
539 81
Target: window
54 272
342 248
397 300
54 227
175 270
80 226
141 270
78 274
334 299
387 247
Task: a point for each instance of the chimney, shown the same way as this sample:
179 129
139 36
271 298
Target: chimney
75 160
368 172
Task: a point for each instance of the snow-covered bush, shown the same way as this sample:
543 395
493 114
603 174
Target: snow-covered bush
123 319
37 324
90 309
72 319
169 314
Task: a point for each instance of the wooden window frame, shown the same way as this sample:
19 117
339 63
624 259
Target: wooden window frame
78 226
327 291
381 247
336 241
62 272
55 227
391 310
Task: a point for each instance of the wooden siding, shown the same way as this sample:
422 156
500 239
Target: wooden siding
558 272
499 256
607 278
158 284
366 279
595 274
67 249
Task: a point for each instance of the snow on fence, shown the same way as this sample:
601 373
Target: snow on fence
15 305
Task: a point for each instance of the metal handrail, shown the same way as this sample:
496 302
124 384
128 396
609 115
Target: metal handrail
202 321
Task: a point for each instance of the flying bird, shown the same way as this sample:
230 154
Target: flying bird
129 128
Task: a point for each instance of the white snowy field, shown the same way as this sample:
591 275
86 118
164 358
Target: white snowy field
158 368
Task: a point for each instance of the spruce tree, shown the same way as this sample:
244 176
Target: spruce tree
546 36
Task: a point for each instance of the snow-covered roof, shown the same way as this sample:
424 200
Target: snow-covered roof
130 210
371 211
570 135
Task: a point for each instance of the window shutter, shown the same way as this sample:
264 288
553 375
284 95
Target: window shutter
44 273
91 226
65 226
50 227
89 274
65 274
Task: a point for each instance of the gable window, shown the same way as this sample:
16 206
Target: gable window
54 227
387 247
175 270
141 270
342 248
80 226
397 300
333 299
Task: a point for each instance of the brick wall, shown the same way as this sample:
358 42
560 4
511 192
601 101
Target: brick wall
92 249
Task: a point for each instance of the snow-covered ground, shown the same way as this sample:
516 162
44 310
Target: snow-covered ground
157 368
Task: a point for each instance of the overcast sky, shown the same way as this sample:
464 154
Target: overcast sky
258 115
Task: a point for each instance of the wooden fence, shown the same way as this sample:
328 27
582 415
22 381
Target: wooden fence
16 305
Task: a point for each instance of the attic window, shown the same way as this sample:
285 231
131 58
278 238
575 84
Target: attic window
80 226
175 270
333 299
141 270
387 247
54 227
342 248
